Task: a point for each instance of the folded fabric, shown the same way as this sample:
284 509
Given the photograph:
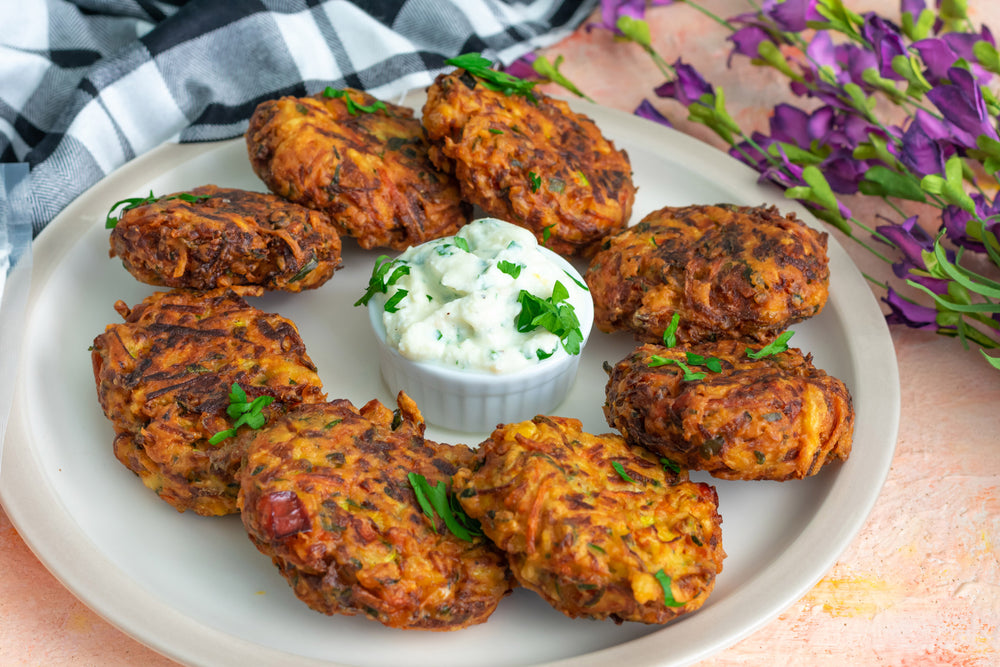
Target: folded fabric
85 86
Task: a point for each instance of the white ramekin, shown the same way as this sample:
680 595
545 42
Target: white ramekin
473 400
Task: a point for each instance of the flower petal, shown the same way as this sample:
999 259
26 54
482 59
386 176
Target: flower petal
912 315
648 111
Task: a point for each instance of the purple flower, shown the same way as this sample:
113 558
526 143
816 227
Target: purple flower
792 15
522 69
914 7
843 172
746 41
955 221
687 88
648 111
888 42
937 56
910 238
962 105
920 151
912 315
791 125
612 10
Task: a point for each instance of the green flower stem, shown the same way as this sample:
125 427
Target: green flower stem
718 19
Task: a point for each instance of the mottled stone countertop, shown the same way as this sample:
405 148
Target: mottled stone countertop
920 584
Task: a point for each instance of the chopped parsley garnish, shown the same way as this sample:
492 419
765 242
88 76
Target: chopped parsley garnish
501 82
547 232
353 107
439 500
535 180
112 219
381 279
670 465
670 334
542 354
777 346
668 594
243 412
689 375
494 130
462 243
711 363
578 283
555 314
392 303
510 268
621 472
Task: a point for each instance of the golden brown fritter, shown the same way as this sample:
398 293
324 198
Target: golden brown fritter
368 170
588 540
729 271
774 418
535 164
164 377
212 237
325 493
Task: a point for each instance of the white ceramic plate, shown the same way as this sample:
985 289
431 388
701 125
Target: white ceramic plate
195 588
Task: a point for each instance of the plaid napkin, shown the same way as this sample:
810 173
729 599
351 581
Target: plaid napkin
87 85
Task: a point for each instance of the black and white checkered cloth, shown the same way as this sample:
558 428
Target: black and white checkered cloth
87 85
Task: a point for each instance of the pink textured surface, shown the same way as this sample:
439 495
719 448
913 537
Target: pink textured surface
920 585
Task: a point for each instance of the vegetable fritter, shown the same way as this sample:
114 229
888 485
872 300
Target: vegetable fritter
596 527
366 167
212 237
164 378
534 163
325 493
777 417
729 272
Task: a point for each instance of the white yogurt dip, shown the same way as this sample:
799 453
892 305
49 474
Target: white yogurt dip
460 305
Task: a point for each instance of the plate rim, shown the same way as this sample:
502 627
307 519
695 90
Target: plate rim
125 604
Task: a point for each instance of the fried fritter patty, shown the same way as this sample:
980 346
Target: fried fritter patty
596 527
776 418
325 493
535 164
212 237
164 377
368 170
729 272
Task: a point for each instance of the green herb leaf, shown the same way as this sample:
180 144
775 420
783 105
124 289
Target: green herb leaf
667 464
547 232
112 218
777 346
462 243
501 82
555 314
535 181
353 107
510 268
381 280
621 472
579 284
439 500
711 363
668 594
670 334
392 303
249 414
689 376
